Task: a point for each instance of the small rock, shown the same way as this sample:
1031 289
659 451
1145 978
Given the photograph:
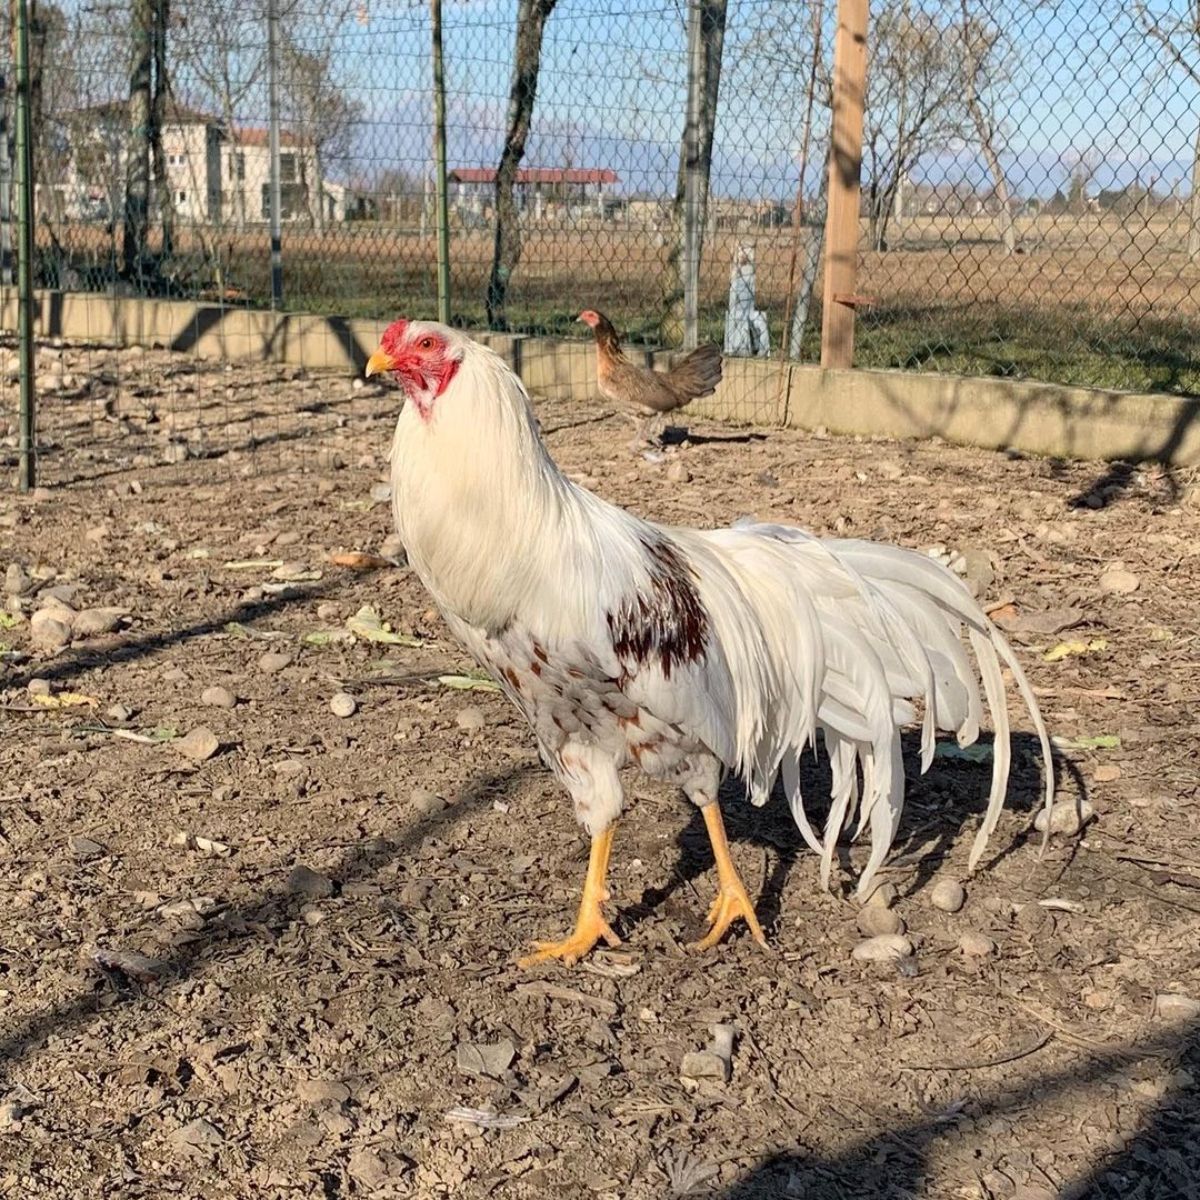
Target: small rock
1117 581
16 580
48 630
976 945
1066 817
1107 773
884 895
1175 1006
393 547
304 881
93 622
470 719
886 948
274 661
218 697
119 714
198 1135
427 803
343 705
875 921
381 493
704 1064
175 452
322 1091
479 1058
38 687
948 895
199 745
976 565
677 472
85 848
365 1165
328 611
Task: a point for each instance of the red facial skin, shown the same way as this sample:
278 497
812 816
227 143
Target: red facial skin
421 361
589 318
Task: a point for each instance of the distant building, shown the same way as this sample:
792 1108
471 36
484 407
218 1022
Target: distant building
215 175
538 191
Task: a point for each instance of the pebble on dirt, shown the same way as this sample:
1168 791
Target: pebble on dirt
948 895
884 895
1176 1006
976 945
1117 581
48 630
304 881
199 745
876 921
427 803
343 705
274 661
38 687
1066 817
885 948
478 1058
218 697
85 848
470 719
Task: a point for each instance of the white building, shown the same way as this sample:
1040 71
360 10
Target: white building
215 175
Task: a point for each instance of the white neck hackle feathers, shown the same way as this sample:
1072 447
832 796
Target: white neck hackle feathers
804 634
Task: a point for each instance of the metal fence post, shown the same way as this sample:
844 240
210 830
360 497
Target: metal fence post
845 168
274 199
439 154
691 180
26 431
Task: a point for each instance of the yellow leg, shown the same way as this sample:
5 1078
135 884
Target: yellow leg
590 925
732 901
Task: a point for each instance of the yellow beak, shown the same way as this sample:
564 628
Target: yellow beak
378 364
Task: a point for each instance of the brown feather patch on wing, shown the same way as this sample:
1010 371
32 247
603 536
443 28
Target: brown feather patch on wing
666 622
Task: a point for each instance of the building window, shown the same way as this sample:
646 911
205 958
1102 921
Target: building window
237 165
181 197
287 168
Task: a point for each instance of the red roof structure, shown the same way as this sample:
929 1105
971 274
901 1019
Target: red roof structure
538 175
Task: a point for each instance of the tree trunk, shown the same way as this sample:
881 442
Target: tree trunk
506 252
158 109
986 134
1193 242
319 184
137 158
712 36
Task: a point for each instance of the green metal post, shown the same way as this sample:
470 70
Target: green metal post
26 435
439 153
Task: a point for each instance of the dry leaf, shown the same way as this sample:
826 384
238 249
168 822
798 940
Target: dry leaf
66 700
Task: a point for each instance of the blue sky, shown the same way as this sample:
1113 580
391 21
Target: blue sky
613 81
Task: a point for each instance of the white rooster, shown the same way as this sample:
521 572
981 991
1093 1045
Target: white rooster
680 651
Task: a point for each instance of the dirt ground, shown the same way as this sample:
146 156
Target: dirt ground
312 1033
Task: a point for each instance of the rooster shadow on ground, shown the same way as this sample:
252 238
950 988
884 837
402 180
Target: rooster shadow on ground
939 807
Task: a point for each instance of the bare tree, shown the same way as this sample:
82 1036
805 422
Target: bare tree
137 154
914 103
712 40
322 118
1178 41
222 44
527 56
985 68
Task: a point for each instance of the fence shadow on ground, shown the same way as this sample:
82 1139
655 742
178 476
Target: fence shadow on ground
1162 1162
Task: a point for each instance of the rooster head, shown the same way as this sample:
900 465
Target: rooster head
590 318
422 355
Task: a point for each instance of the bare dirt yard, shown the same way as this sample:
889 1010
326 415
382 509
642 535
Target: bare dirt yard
251 948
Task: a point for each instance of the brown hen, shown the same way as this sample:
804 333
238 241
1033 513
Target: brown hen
640 391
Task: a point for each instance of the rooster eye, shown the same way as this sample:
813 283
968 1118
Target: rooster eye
426 343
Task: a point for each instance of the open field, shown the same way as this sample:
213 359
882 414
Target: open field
306 1035
1088 299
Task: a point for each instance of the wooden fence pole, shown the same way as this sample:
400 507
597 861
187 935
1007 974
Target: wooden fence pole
845 166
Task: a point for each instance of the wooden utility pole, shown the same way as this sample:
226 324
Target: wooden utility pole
845 169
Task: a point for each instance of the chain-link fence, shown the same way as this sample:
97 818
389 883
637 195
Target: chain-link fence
1030 196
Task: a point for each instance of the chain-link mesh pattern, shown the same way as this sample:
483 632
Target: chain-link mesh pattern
1030 206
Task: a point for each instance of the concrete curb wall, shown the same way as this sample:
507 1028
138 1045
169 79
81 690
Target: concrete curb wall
1044 419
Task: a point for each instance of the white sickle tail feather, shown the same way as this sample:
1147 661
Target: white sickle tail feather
630 643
